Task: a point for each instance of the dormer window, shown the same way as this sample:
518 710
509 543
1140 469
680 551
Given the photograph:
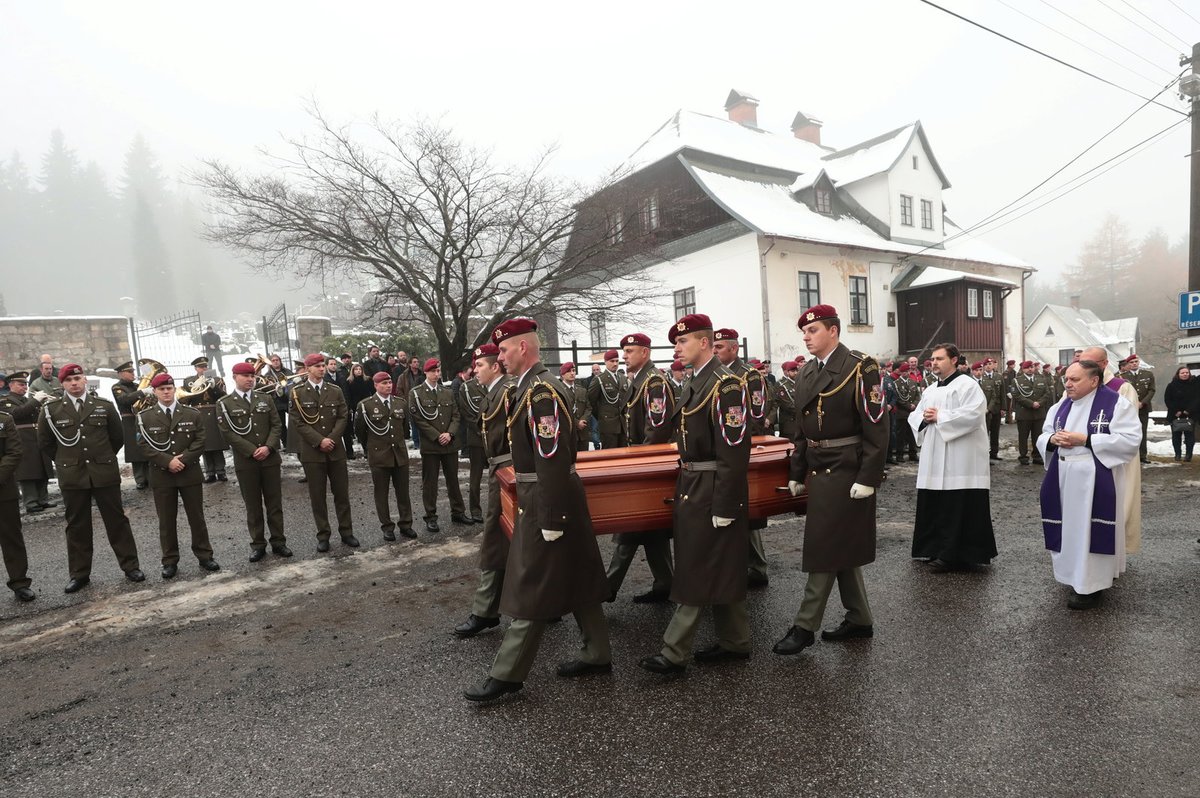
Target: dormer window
822 201
612 227
927 214
649 213
906 210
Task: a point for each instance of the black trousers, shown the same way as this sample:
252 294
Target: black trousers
1144 415
12 545
448 465
263 486
166 501
214 463
906 441
612 440
335 473
387 481
478 460
1028 432
993 428
78 505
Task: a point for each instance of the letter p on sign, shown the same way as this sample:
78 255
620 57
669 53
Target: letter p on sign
1189 310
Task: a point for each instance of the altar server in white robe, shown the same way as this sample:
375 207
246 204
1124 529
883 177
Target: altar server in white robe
1088 437
953 530
1132 469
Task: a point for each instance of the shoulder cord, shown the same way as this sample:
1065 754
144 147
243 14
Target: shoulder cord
526 406
650 418
501 405
61 440
471 403
759 393
233 428
1022 391
862 392
684 413
421 408
164 448
822 396
309 420
612 400
716 411
381 432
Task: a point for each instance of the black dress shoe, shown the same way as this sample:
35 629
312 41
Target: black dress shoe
1023 460
389 534
141 485
940 566
476 519
653 597
222 478
459 518
302 479
322 545
37 508
407 531
1084 601
576 668
282 551
795 641
995 457
169 571
473 625
754 581
660 664
257 554
490 689
47 505
715 653
210 479
351 541
135 575
431 525
24 594
613 596
893 461
76 584
847 631
210 565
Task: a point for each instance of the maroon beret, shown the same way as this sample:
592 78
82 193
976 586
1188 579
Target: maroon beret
513 328
161 379
315 359
1025 364
565 367
800 360
1012 363
789 365
726 334
677 366
903 367
381 376
69 370
693 322
755 362
928 362
431 364
816 313
242 368
612 354
486 350
636 339
977 366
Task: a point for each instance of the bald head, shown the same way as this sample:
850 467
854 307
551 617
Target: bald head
520 353
1096 354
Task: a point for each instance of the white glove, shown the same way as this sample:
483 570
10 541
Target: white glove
719 522
551 535
148 391
858 491
797 488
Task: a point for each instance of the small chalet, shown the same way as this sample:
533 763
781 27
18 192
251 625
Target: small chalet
1058 330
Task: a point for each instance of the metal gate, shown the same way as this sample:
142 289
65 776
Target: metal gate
173 341
276 337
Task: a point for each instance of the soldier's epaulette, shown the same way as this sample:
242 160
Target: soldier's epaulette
52 400
728 382
102 399
869 364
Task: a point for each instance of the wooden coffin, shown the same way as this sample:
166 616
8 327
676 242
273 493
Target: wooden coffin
631 489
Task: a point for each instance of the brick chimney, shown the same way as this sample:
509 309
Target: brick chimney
807 128
1074 301
742 108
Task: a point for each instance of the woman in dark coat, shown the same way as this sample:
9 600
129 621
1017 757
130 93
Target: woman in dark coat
1182 398
357 388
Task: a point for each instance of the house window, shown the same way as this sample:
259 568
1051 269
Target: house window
989 311
597 330
858 300
612 227
649 213
824 203
685 302
927 214
810 289
916 162
972 303
906 210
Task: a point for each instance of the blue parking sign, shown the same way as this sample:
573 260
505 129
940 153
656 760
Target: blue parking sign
1189 310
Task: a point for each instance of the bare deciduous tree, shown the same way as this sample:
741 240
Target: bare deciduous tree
452 238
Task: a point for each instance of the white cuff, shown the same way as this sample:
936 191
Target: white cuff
718 521
551 535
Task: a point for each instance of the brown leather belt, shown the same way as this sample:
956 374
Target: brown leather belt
699 465
834 443
533 477
496 462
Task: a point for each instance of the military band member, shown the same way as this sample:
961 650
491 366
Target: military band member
1142 381
431 407
206 403
908 396
785 399
648 406
172 438
250 424
317 418
470 398
711 506
381 426
126 394
82 433
839 458
606 394
493 544
581 410
280 373
554 564
12 542
1031 395
992 383
35 469
45 382
725 347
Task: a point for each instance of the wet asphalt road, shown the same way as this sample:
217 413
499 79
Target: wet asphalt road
334 675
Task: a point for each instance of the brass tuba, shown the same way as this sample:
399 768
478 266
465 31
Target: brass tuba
147 399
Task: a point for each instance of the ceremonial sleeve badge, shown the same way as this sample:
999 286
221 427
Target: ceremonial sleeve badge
735 417
547 426
657 405
756 397
875 398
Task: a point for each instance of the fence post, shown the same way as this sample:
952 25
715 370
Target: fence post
266 338
133 340
745 348
575 352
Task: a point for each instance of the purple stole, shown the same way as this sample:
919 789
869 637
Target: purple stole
1104 494
1115 383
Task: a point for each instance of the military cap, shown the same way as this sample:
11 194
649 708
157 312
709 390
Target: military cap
677 365
431 364
315 359
790 365
726 334
161 379
693 322
200 362
565 367
19 376
636 339
1026 364
242 368
612 354
513 328
977 366
126 366
381 376
69 370
1011 363
816 313
486 350
903 367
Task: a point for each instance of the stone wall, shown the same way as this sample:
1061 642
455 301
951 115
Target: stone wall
311 332
91 341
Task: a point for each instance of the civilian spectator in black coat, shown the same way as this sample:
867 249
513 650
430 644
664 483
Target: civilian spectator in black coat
1182 398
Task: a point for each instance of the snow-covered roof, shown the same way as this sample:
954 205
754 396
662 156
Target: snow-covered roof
769 208
721 137
1089 328
935 275
878 155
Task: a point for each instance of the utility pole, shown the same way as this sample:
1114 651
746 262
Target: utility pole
1189 86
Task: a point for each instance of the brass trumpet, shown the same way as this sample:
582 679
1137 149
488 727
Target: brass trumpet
147 399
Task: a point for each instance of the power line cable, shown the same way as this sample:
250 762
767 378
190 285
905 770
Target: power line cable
1185 13
1139 26
1043 54
1078 21
1156 24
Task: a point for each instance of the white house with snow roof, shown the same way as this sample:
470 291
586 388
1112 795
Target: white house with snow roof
753 227
1057 331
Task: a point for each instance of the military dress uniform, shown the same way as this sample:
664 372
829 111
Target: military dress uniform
381 426
993 389
1142 381
319 412
83 437
1010 375
785 403
248 422
908 396
758 417
35 469
125 395
206 404
433 410
470 398
581 410
167 433
648 410
12 542
710 560
607 393
842 443
1029 390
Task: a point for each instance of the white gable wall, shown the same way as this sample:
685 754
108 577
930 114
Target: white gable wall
874 195
921 183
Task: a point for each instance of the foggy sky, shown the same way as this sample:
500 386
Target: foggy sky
223 79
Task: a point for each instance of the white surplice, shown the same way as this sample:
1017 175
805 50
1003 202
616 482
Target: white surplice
954 450
1074 565
1133 481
